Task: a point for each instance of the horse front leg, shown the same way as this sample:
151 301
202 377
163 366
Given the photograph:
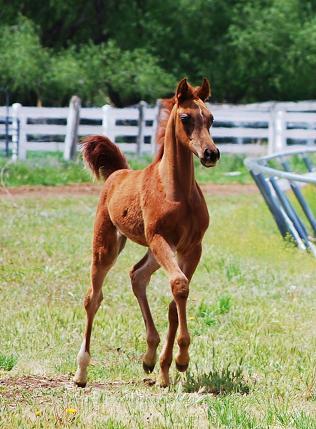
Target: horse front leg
140 277
188 262
179 283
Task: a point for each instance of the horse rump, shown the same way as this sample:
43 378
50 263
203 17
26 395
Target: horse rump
102 156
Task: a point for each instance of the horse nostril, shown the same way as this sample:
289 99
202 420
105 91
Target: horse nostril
218 154
207 155
211 155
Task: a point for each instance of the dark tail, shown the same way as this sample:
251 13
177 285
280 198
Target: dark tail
102 156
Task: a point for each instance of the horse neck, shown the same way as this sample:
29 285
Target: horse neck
176 165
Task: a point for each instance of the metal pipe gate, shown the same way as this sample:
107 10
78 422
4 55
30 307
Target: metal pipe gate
275 184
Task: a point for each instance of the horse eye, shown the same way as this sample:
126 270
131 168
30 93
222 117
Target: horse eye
184 118
211 120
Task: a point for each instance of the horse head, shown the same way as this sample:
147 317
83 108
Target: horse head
193 121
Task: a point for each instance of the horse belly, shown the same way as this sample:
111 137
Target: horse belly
126 215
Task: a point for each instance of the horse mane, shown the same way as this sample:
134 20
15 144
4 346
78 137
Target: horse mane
165 107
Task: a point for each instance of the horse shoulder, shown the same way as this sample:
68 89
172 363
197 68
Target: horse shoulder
201 209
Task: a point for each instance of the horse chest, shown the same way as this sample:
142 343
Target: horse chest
192 229
182 224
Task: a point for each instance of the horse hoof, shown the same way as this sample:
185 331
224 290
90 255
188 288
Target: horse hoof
148 368
78 384
182 368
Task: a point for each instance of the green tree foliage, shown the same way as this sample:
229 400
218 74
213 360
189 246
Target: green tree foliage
124 51
274 47
23 61
65 77
126 76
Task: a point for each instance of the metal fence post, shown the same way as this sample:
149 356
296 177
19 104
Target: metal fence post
264 188
290 211
300 198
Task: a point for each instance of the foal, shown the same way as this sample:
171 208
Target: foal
160 207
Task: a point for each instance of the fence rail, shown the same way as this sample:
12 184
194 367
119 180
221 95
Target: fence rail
258 128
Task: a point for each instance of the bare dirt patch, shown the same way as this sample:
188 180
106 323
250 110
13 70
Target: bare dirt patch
31 382
94 189
18 390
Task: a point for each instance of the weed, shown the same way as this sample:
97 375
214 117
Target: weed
7 362
218 381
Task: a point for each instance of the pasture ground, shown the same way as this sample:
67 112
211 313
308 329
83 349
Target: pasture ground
251 315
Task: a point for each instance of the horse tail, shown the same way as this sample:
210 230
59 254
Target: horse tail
102 156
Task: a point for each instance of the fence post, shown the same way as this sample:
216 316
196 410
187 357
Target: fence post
16 113
154 128
280 139
106 122
141 126
271 137
277 140
73 119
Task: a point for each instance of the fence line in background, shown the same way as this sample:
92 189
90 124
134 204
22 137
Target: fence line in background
257 128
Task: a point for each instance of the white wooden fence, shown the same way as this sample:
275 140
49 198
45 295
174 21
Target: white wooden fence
253 129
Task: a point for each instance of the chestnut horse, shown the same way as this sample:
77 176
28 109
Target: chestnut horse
160 207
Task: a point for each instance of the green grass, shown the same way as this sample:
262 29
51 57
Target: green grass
251 315
7 362
50 169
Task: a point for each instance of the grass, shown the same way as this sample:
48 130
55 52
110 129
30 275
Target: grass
251 315
50 169
7 362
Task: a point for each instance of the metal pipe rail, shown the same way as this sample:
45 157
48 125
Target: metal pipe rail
274 184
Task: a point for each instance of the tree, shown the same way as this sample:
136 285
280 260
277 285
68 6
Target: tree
127 50
65 77
23 61
123 76
269 41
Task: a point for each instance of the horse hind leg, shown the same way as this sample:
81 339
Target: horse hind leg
140 277
106 247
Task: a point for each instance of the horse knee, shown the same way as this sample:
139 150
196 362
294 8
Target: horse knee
180 287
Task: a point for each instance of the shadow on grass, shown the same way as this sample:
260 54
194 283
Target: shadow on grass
217 382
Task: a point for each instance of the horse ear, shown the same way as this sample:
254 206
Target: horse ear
204 92
183 91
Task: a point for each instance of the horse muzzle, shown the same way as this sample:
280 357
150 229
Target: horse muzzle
210 157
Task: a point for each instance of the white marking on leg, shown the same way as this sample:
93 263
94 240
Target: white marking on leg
83 360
